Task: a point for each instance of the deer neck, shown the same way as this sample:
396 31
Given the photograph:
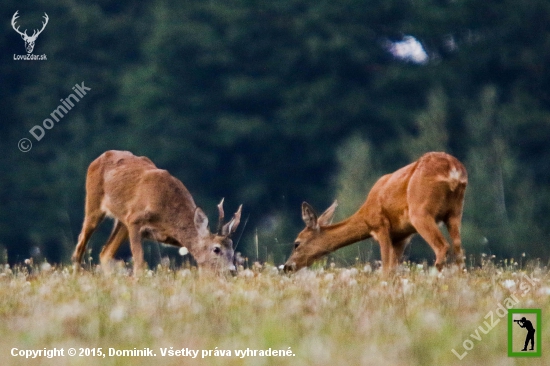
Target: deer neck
346 232
190 239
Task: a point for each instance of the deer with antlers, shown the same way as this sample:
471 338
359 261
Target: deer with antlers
29 40
149 203
413 199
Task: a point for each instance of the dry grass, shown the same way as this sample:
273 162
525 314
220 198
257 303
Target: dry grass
327 317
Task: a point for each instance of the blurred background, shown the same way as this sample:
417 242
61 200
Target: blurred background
271 103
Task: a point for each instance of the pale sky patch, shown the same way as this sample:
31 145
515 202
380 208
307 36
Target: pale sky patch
409 49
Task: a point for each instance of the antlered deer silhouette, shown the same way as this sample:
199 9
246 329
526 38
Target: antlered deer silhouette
29 40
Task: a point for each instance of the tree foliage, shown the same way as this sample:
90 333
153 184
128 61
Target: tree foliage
273 103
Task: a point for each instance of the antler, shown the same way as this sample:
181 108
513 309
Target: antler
24 34
220 219
13 19
231 226
43 26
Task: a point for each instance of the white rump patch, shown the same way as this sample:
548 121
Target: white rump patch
454 174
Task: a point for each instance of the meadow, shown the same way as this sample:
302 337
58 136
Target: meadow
320 316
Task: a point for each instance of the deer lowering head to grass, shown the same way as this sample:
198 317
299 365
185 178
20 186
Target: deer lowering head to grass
413 199
149 203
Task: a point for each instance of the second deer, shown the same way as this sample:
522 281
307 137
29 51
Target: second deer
413 199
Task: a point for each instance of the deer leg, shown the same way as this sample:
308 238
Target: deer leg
453 226
136 248
383 238
93 214
425 225
91 221
118 236
396 254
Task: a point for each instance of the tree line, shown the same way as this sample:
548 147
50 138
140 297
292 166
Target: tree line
272 103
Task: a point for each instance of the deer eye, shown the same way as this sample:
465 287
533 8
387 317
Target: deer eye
217 250
296 244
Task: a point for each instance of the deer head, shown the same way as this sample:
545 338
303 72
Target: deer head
309 245
215 250
29 40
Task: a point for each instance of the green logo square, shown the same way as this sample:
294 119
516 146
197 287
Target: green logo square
524 333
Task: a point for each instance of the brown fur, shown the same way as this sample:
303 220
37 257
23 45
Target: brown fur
413 199
147 202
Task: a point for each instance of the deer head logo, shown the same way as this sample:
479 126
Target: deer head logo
29 40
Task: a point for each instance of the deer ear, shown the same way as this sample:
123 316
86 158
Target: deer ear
201 222
309 216
327 216
232 225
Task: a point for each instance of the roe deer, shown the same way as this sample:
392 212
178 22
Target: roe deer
147 202
413 199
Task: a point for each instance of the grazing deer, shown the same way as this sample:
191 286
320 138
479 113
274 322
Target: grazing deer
147 202
414 199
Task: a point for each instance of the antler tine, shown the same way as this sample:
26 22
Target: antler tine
235 221
46 18
231 226
221 218
14 18
13 21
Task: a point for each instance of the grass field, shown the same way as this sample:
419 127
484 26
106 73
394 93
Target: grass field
349 316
